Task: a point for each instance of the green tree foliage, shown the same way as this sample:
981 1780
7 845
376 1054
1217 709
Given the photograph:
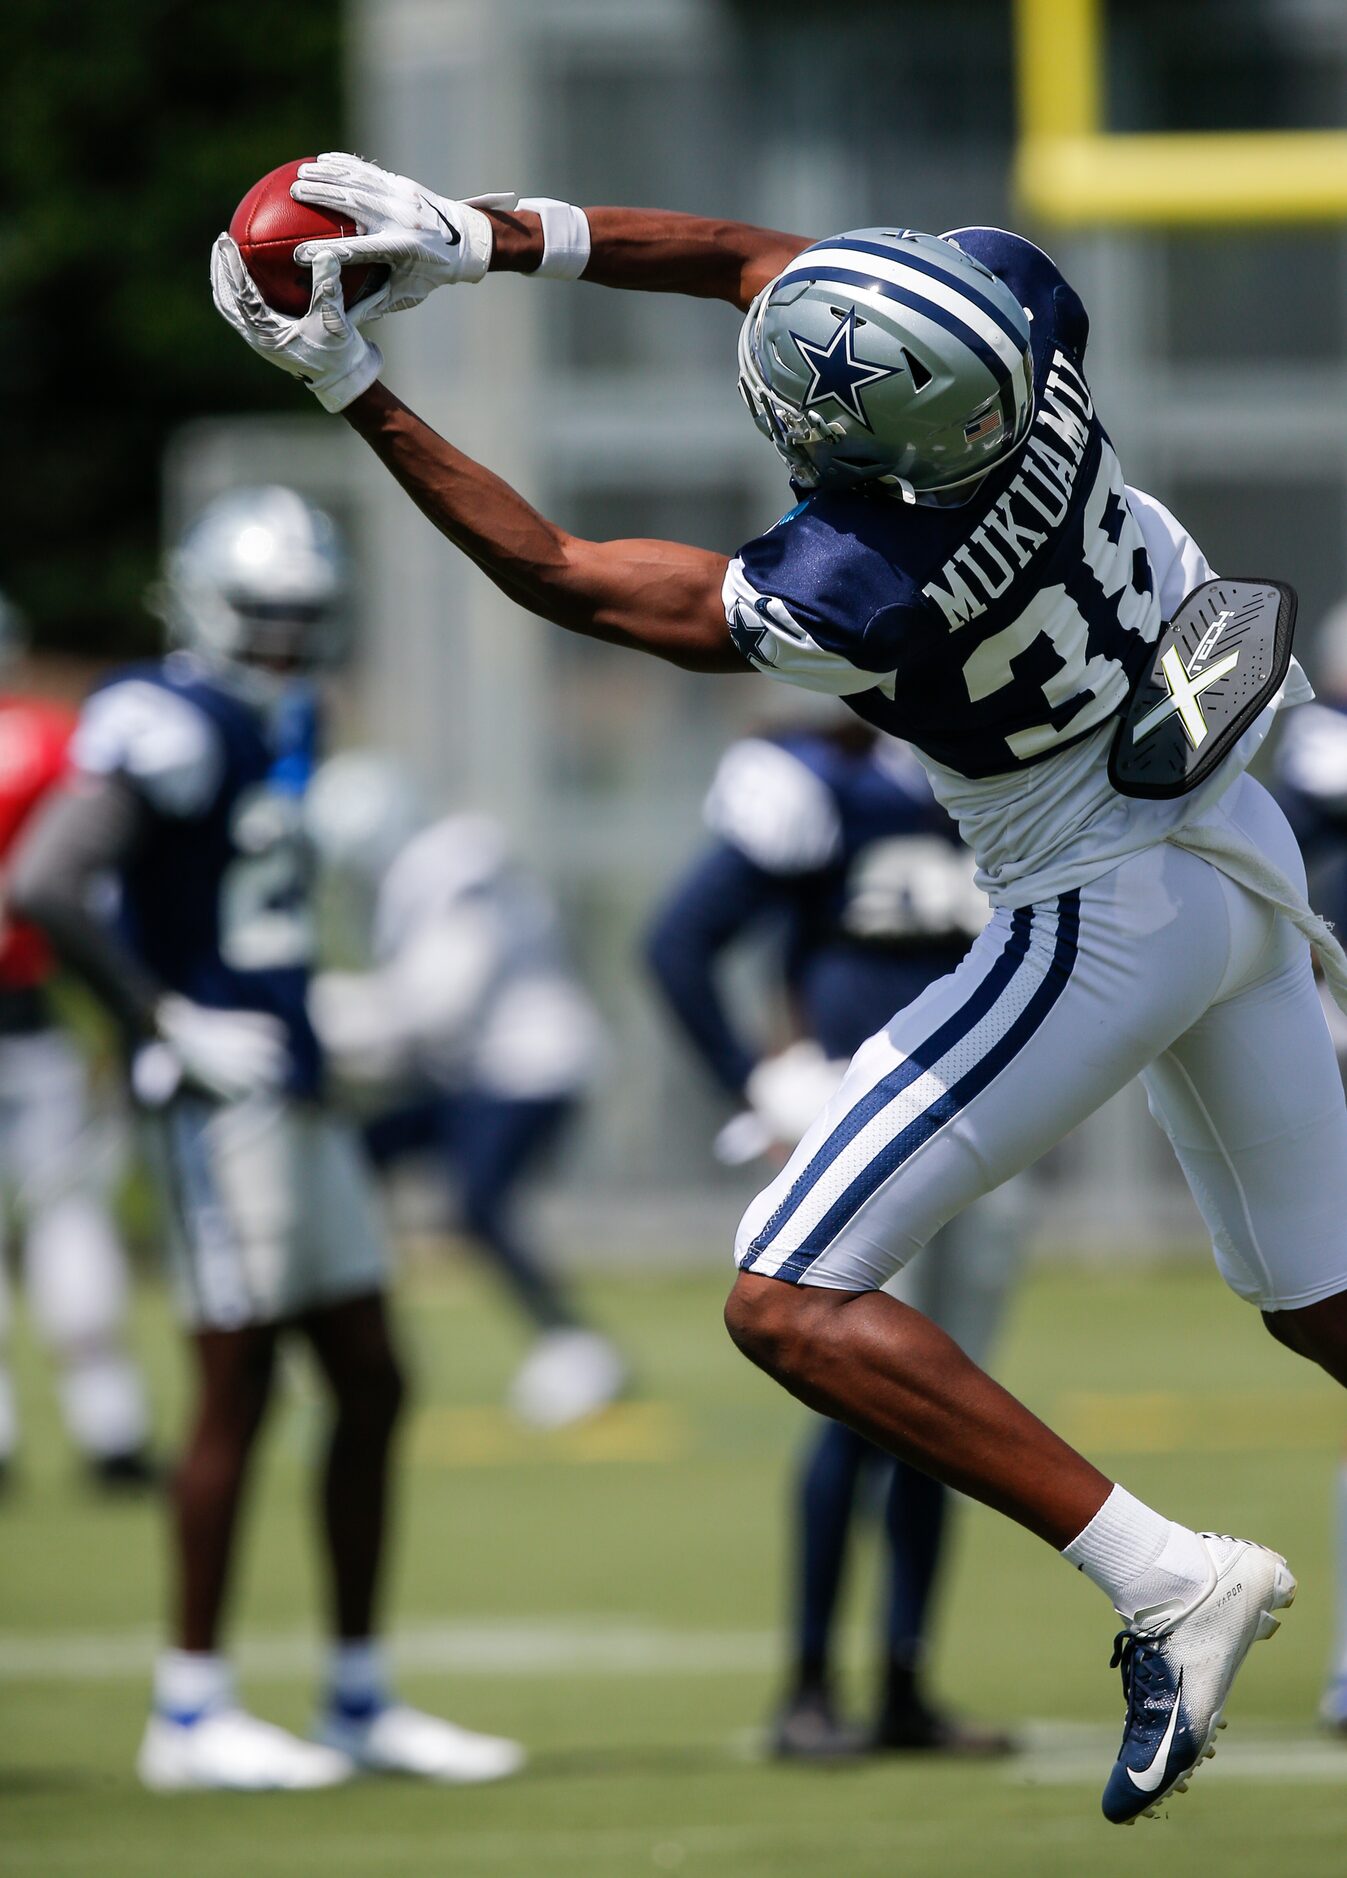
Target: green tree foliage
128 131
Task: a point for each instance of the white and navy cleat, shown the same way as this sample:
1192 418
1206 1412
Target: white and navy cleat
1177 1668
397 1739
566 1377
227 1749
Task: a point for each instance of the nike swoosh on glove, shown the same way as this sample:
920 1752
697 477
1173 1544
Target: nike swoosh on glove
426 241
324 347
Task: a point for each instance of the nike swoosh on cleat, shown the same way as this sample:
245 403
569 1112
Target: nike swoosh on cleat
449 228
1151 1777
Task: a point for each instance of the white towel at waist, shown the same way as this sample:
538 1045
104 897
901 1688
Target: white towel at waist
1243 862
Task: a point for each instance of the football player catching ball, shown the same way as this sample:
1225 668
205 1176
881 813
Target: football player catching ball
966 567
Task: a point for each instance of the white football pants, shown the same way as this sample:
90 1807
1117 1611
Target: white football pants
272 1211
53 1167
1162 968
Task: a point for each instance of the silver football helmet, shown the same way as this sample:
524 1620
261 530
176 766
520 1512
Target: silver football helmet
360 811
885 355
259 576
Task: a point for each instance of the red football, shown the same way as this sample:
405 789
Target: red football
269 225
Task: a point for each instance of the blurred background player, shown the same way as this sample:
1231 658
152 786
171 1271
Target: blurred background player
831 840
172 874
1311 785
471 1033
54 1156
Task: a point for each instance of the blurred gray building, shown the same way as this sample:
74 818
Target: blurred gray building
1217 360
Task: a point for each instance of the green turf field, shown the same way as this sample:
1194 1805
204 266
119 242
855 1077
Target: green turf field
613 1596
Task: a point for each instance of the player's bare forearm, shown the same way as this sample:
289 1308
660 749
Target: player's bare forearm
659 251
656 596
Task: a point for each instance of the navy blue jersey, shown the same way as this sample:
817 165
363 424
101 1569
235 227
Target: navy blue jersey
216 900
990 633
843 847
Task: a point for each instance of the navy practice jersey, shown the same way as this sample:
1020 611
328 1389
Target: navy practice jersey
992 633
216 900
844 845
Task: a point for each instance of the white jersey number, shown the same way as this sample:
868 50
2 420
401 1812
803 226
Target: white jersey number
913 887
266 922
1053 615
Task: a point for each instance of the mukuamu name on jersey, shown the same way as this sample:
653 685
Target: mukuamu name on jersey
1040 492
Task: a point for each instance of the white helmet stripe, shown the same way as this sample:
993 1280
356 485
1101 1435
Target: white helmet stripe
824 261
924 319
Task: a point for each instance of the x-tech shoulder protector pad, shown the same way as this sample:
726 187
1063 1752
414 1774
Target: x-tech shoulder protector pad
1216 665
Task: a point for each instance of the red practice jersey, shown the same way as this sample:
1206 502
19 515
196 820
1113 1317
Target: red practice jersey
34 739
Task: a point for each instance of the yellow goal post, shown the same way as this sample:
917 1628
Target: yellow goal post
1071 170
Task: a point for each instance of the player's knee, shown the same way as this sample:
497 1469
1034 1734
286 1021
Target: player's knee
1278 1324
234 1398
1317 1331
394 1391
773 1324
215 1459
375 1395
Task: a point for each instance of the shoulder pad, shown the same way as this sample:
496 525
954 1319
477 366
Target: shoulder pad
771 806
160 741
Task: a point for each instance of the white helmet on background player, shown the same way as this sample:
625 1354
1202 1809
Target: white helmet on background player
885 355
259 576
361 810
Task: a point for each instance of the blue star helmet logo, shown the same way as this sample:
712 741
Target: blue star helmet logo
837 372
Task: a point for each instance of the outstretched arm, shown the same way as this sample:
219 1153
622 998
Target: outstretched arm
656 596
429 240
657 251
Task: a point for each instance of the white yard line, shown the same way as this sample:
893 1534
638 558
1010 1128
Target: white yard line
1055 1752
1070 1754
584 1647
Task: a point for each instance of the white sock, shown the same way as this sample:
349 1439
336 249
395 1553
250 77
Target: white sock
357 1677
189 1682
1145 1562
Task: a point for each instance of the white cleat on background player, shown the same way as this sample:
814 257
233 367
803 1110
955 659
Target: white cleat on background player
567 1375
1177 1673
402 1740
229 1749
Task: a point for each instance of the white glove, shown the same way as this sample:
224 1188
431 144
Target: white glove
787 1091
324 348
426 241
357 1023
229 1054
743 1138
